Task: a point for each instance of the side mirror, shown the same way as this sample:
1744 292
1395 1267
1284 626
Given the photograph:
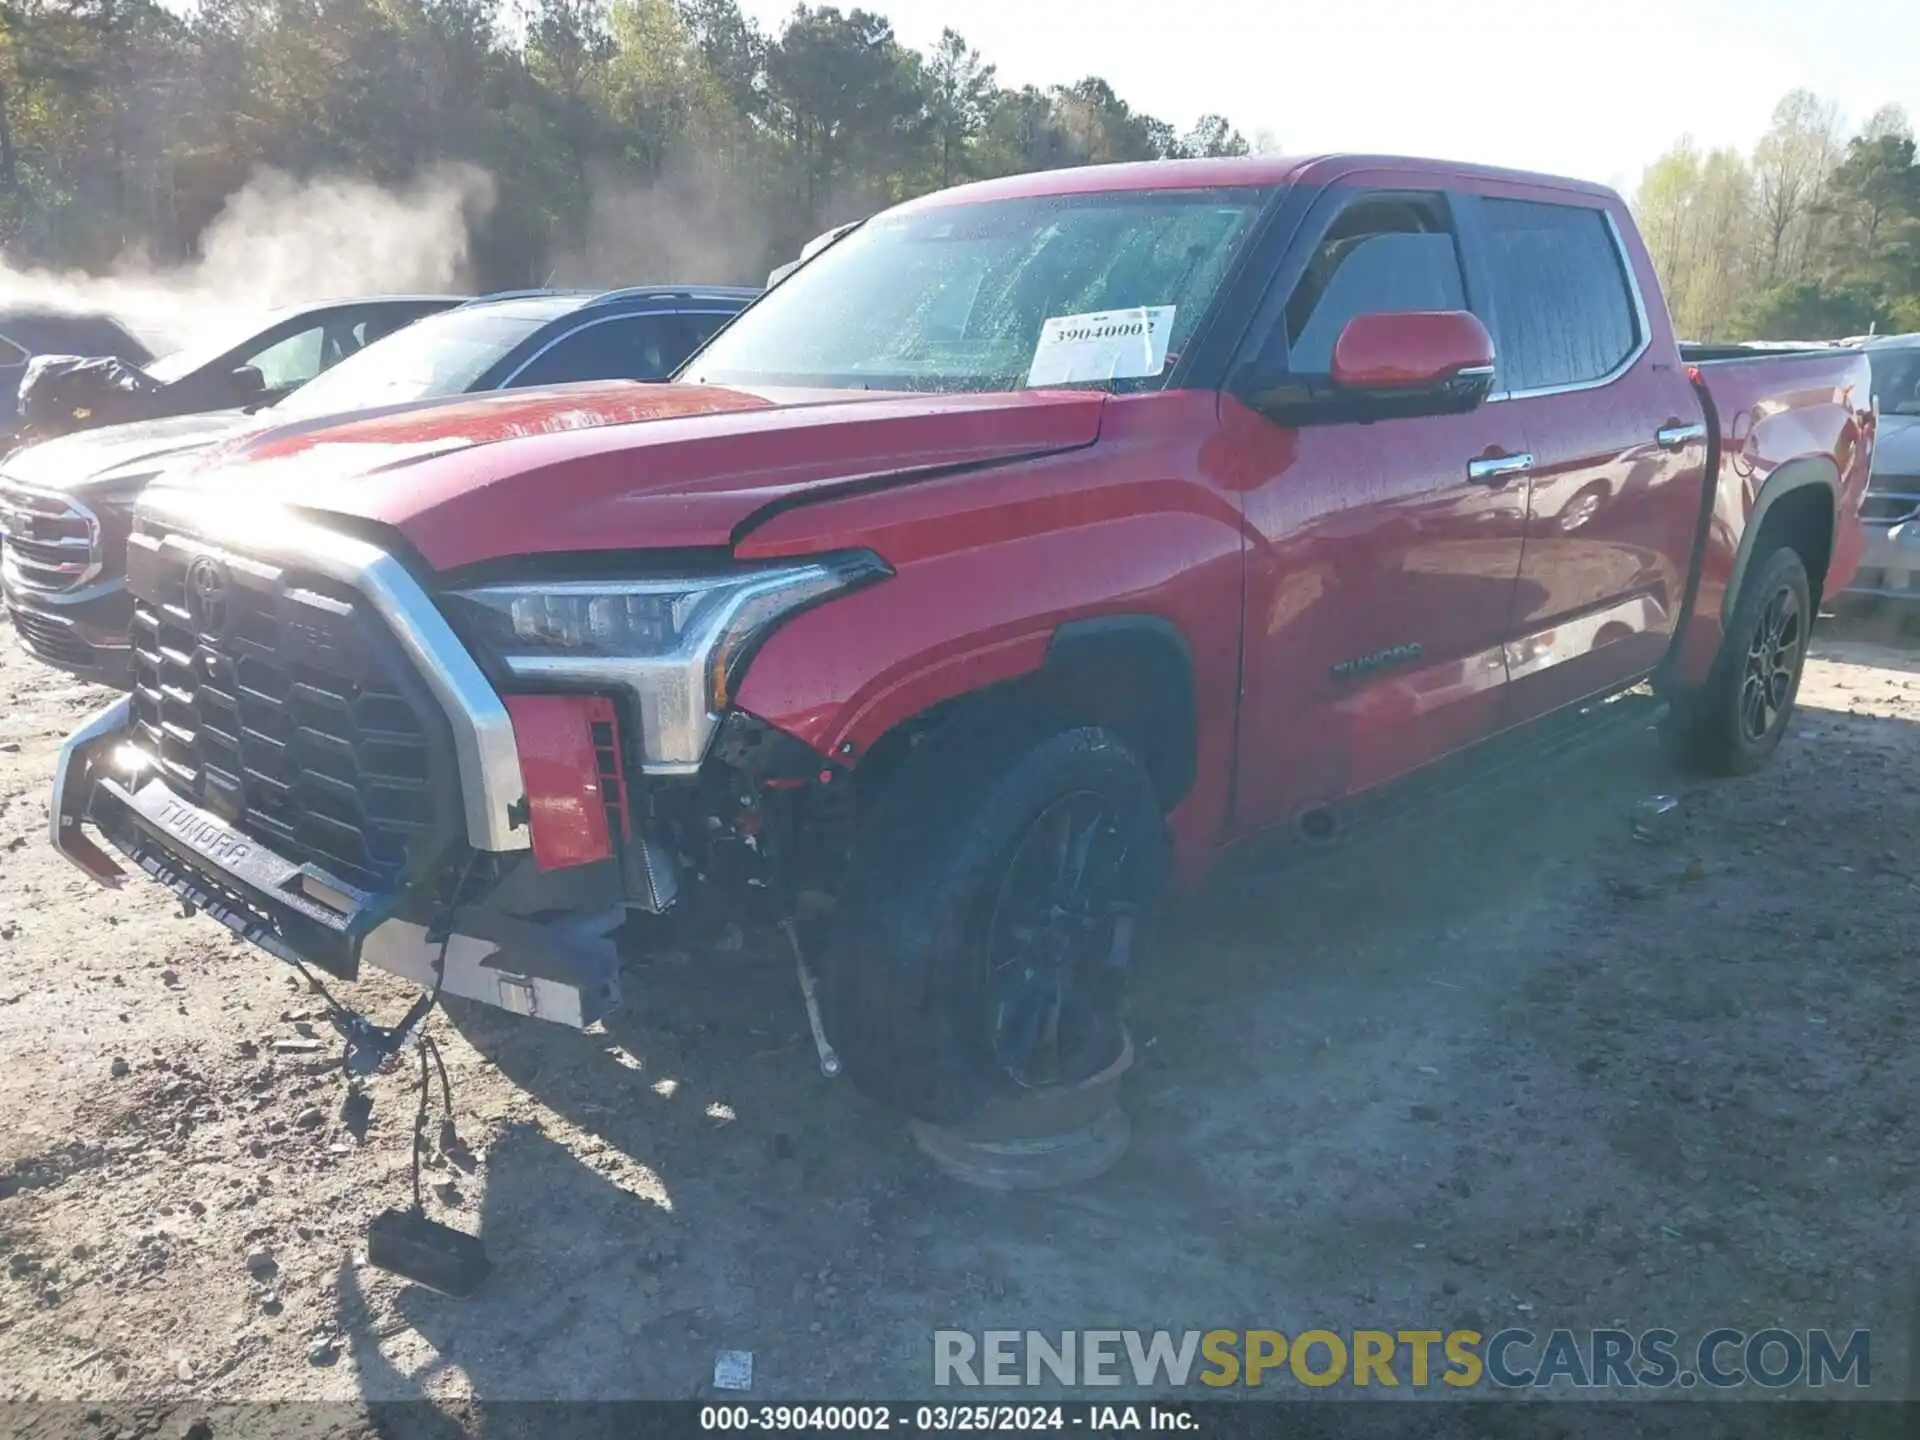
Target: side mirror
249 383
1415 361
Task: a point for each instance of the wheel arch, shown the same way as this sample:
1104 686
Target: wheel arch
1154 707
1132 673
1798 506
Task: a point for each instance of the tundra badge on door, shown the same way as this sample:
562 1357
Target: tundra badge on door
1378 660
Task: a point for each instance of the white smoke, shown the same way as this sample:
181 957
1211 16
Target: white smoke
690 227
282 241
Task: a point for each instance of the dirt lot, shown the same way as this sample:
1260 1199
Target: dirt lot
1529 1069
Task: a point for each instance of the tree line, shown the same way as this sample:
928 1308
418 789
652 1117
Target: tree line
126 127
677 139
1814 234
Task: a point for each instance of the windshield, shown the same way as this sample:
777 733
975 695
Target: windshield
444 354
995 295
1896 380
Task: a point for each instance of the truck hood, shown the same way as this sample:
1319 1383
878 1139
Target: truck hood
102 459
1896 445
622 466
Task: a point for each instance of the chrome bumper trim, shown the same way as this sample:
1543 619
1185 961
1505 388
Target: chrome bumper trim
53 599
492 789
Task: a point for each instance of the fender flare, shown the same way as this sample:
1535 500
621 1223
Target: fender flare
1794 475
1076 641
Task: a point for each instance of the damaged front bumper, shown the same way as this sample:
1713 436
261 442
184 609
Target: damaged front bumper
565 971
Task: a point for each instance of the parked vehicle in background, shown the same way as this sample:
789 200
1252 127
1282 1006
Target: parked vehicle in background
1890 558
29 331
253 363
812 248
68 503
1021 551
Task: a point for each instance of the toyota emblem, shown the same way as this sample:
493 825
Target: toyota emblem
207 596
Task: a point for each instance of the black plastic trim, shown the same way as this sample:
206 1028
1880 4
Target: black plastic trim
1180 741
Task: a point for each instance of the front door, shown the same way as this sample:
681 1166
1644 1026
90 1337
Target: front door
1383 555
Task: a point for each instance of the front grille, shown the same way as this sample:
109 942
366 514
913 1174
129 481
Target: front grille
51 640
1891 499
288 708
52 543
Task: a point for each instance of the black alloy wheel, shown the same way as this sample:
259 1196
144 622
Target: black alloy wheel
1058 942
1773 664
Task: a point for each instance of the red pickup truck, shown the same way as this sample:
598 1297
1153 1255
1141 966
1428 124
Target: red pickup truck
1017 553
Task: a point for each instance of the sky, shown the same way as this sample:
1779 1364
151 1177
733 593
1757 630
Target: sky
1594 90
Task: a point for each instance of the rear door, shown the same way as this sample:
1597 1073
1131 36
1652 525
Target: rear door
1380 581
1614 429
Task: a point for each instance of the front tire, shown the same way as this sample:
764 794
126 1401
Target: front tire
1735 721
1000 887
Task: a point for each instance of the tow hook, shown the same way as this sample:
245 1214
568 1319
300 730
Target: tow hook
809 992
368 1044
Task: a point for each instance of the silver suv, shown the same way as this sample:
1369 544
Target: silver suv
1890 561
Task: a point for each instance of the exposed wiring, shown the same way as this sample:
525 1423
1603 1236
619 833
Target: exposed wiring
420 1129
363 1033
427 1050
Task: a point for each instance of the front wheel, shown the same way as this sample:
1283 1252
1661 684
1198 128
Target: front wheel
1735 721
983 948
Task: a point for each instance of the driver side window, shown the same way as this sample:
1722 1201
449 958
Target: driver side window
13 365
291 361
1383 253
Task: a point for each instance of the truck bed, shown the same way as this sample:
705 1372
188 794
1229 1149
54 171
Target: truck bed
1772 411
1698 354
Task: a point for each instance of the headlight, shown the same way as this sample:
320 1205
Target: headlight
678 644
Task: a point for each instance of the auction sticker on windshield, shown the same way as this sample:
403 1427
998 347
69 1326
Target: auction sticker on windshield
1103 345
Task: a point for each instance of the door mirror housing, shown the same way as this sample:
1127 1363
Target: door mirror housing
248 382
1415 361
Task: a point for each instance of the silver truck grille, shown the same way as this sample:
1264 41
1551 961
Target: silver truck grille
51 542
279 699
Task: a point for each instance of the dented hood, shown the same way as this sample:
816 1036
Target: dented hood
622 466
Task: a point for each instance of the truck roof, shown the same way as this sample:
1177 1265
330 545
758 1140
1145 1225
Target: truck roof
1225 172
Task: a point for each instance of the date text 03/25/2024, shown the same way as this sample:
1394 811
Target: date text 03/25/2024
946 1419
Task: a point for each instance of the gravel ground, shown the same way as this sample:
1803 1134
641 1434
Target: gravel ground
1525 1069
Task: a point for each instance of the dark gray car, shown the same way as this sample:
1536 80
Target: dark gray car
66 505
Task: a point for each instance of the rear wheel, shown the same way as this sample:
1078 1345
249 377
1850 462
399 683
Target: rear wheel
984 944
1734 722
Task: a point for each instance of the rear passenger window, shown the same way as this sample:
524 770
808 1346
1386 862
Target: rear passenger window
704 325
634 347
1384 253
1565 312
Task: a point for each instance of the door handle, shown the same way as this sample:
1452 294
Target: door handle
1498 469
1678 437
